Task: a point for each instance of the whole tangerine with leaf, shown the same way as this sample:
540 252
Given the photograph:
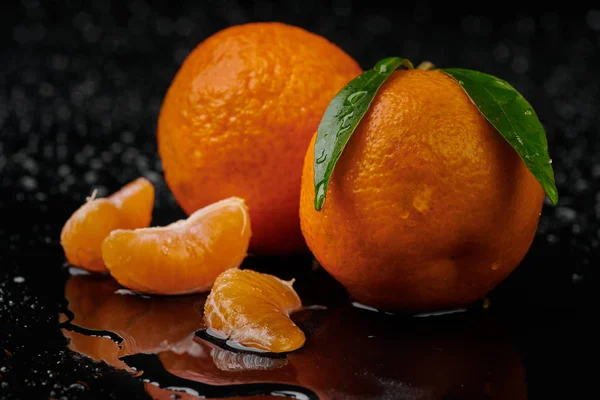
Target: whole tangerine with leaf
422 187
238 117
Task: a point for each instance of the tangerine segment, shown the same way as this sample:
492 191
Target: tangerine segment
135 200
85 230
183 257
253 309
83 233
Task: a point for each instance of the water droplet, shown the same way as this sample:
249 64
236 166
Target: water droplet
346 119
355 97
552 239
342 132
519 140
28 183
566 214
461 83
381 68
528 112
77 386
320 195
322 157
18 279
550 161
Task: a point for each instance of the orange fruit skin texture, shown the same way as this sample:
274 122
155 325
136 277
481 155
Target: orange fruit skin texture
253 309
428 207
83 233
183 257
238 117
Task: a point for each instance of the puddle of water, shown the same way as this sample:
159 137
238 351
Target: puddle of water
349 353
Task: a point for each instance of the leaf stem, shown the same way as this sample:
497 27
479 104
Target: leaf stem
426 66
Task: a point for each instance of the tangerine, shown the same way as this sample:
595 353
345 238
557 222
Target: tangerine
183 257
83 233
428 206
252 309
238 117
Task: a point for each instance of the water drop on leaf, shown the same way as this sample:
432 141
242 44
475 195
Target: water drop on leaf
322 157
320 196
355 97
346 121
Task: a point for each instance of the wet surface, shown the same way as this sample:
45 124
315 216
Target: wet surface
80 88
349 353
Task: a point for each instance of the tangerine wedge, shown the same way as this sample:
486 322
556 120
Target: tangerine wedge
253 310
183 257
83 233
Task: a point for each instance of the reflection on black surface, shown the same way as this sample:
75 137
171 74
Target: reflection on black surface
349 352
143 324
226 360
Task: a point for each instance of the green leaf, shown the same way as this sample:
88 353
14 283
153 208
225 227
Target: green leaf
508 111
342 117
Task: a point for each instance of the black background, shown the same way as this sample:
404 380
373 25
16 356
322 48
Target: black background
81 84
